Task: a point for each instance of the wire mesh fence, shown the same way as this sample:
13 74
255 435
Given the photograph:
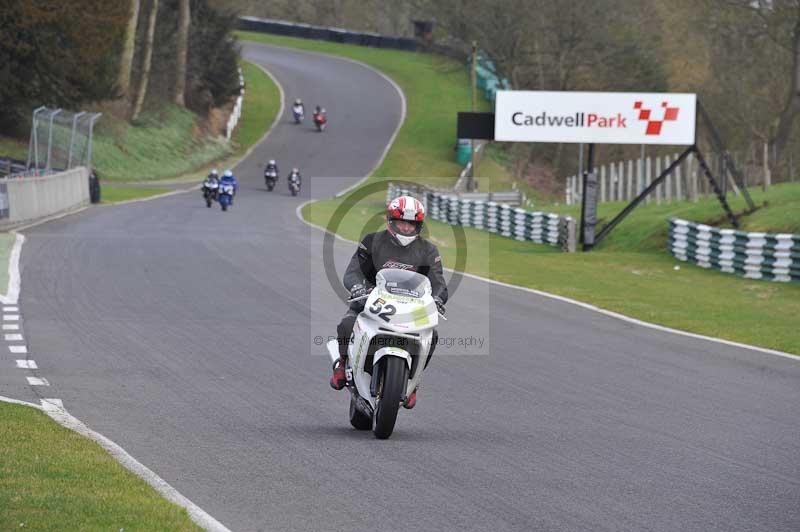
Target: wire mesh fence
60 140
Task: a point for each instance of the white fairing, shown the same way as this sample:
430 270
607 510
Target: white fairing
227 189
401 306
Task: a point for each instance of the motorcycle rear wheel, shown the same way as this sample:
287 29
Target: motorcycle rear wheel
395 378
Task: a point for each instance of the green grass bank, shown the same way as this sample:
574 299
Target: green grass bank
54 479
631 273
170 143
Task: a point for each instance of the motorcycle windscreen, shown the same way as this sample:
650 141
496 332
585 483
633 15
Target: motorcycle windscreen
403 282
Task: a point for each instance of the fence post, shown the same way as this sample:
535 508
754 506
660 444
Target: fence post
678 183
602 184
657 173
648 167
50 139
767 174
639 176
668 181
629 182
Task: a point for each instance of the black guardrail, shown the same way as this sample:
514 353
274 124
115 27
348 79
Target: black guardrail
323 33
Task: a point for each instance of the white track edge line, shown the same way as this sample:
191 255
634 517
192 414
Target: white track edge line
587 306
65 419
12 295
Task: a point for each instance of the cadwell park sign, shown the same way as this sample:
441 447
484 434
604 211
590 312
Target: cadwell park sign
595 117
606 118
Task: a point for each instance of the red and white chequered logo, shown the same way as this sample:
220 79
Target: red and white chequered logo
654 125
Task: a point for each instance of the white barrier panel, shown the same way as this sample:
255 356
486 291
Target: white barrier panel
33 198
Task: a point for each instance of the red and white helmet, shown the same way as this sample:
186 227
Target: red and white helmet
405 209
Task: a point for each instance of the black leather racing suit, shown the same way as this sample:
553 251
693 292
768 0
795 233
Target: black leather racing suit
377 251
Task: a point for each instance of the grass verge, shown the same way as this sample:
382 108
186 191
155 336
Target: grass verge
116 194
16 149
630 273
54 479
169 143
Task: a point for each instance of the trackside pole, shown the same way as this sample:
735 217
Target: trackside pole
588 202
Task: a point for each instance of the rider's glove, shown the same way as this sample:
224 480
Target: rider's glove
358 290
439 305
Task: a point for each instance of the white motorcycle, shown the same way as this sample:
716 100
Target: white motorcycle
297 112
389 349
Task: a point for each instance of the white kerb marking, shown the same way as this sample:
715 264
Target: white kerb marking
16 349
10 309
50 405
27 364
36 381
10 327
10 317
13 337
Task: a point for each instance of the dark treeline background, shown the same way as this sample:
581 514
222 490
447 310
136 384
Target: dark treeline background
123 56
740 56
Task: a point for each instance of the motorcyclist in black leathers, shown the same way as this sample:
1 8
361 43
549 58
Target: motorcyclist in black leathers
213 176
399 246
272 165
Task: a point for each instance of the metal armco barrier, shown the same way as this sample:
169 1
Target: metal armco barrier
753 255
519 224
322 33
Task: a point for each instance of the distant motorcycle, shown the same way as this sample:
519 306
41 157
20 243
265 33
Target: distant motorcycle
210 190
225 196
297 112
270 178
294 183
320 120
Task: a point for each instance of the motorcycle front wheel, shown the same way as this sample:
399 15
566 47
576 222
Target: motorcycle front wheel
395 378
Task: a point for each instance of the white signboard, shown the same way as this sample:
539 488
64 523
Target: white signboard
595 117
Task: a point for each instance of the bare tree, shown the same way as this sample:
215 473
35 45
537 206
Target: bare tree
183 46
128 48
148 55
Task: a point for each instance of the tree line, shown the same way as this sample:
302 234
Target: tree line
126 55
740 56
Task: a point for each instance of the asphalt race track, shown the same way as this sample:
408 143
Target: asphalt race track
186 335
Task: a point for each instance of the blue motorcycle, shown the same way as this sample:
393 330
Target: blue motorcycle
225 196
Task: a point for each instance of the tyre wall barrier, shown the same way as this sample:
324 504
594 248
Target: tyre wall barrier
753 255
506 220
28 199
322 33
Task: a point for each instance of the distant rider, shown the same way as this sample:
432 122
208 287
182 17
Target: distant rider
272 166
213 176
296 173
229 179
298 108
398 246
